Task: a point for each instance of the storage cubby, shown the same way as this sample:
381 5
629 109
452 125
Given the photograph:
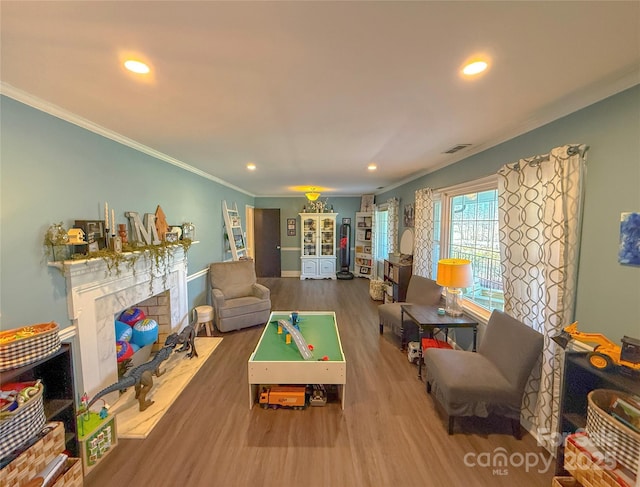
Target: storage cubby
56 374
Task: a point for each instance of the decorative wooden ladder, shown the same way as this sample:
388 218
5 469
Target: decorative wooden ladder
234 231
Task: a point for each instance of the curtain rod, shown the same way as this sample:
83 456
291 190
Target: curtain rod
571 151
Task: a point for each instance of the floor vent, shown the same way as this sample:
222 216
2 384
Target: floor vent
456 148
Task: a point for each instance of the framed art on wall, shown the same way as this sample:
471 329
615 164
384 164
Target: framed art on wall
291 227
408 215
367 202
629 253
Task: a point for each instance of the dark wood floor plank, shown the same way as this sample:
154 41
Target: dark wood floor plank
390 434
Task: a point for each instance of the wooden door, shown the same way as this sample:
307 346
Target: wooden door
266 225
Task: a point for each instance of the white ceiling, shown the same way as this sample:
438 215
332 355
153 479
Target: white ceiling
312 92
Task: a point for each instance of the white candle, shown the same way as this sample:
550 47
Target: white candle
113 222
106 214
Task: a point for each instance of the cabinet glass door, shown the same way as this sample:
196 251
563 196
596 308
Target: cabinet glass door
327 236
309 236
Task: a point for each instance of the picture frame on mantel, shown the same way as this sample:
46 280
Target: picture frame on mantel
94 231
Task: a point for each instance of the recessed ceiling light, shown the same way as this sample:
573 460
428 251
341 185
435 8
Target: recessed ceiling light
372 167
251 166
136 66
475 67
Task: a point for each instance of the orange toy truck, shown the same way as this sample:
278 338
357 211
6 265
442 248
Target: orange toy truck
606 353
283 396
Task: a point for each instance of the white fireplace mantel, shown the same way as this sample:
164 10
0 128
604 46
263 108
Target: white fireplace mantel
97 294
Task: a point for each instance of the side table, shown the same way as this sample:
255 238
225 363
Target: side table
428 319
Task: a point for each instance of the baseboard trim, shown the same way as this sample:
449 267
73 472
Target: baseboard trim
290 274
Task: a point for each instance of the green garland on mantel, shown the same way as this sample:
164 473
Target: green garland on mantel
130 254
158 255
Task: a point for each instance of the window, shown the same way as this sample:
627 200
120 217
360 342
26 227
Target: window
466 227
380 233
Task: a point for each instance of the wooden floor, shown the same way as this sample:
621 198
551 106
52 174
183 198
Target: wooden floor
389 434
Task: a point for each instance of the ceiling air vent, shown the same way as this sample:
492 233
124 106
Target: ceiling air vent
456 148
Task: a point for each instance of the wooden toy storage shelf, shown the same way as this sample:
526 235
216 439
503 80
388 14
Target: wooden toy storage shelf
397 274
56 373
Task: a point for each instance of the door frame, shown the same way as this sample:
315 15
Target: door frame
250 239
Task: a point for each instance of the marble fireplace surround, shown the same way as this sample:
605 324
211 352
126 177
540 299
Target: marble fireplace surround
96 295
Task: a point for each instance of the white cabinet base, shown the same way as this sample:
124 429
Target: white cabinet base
318 268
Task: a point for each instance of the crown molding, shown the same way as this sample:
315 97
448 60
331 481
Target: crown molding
58 112
579 99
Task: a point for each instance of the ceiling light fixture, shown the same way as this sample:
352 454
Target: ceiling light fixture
251 166
312 195
372 167
474 68
136 66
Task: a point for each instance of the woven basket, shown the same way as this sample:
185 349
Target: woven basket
565 482
22 346
587 471
607 433
16 427
30 462
377 288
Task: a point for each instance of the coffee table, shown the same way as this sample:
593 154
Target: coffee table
428 319
275 362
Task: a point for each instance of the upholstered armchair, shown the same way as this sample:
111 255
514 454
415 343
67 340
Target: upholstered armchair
419 291
490 381
238 300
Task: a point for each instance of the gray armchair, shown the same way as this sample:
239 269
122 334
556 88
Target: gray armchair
419 291
238 300
489 381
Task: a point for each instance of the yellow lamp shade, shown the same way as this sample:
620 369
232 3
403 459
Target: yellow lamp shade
454 273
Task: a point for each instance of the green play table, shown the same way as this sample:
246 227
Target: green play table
275 362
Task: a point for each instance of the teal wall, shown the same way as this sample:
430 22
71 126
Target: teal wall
608 298
53 171
346 207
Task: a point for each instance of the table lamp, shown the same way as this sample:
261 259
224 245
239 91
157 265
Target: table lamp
454 274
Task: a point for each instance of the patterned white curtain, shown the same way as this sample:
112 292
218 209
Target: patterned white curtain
392 234
423 234
539 211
